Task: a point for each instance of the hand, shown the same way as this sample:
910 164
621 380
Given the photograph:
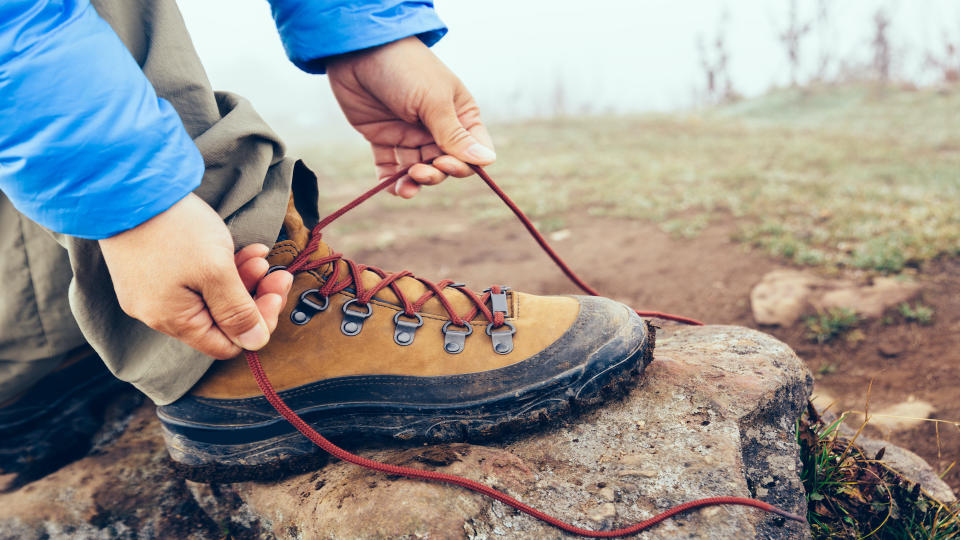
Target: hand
412 109
178 274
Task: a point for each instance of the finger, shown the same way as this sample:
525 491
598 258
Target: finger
200 332
249 252
427 175
453 166
430 152
272 295
278 282
452 137
406 188
385 162
232 308
477 128
252 271
270 306
407 156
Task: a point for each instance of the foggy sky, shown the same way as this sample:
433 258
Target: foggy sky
533 57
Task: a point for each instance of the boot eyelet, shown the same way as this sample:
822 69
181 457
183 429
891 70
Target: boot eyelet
454 341
503 340
275 267
498 301
306 307
405 331
353 320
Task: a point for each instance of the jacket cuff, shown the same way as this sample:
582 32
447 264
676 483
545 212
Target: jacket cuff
313 31
87 148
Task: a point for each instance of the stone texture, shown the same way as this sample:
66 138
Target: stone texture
124 490
900 416
782 296
870 301
713 416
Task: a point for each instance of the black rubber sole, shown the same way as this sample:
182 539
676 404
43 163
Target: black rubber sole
520 412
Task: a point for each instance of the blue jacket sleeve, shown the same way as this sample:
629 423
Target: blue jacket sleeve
86 146
312 30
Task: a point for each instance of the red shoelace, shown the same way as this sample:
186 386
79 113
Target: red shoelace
333 284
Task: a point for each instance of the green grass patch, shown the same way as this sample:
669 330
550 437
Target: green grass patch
852 495
918 313
831 324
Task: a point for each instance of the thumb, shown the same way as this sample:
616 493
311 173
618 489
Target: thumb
234 310
454 139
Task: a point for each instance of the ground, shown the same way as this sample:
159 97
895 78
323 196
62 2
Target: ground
686 214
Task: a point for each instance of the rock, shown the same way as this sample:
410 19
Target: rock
126 490
870 301
607 494
897 417
713 416
909 465
891 348
781 296
604 514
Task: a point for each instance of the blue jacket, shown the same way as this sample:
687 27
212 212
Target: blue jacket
86 146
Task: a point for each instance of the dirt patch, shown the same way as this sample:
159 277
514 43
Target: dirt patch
709 278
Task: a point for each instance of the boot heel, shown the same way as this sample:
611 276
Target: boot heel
282 455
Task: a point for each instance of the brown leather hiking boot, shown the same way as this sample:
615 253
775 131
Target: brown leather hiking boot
362 354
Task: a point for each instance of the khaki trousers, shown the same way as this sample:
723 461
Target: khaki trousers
57 292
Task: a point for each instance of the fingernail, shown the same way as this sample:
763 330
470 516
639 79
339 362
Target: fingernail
479 152
254 338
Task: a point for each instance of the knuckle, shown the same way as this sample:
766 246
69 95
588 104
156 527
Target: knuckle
213 271
459 135
237 317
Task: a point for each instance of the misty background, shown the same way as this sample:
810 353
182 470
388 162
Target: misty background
545 58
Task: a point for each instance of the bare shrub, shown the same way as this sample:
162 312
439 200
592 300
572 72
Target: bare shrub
791 38
947 61
880 46
714 61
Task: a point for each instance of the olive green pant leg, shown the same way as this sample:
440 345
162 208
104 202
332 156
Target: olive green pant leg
248 181
36 326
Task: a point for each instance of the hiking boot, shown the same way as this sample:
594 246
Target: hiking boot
55 421
396 357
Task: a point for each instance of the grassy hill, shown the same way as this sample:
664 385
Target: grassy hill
832 177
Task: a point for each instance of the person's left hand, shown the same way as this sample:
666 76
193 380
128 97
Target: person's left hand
411 108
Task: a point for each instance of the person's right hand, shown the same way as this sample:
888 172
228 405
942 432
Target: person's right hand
178 274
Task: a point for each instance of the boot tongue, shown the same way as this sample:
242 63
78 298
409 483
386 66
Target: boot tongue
297 237
294 228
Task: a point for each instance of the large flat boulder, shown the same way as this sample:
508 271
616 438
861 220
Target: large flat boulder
714 415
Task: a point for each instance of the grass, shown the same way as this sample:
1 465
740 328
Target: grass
833 177
918 313
831 324
850 495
